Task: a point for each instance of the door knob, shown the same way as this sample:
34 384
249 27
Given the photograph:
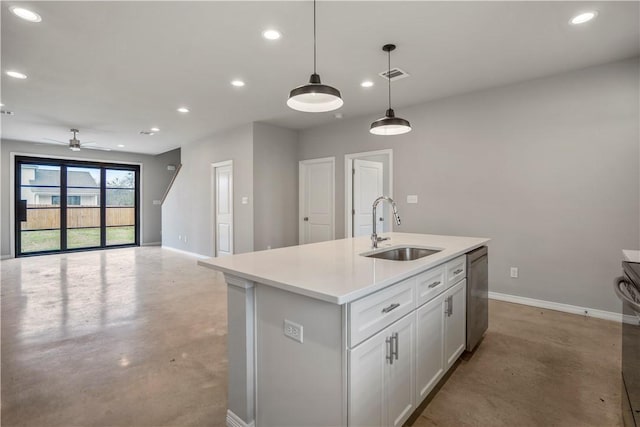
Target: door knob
306 218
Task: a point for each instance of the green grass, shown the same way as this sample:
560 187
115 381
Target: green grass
47 240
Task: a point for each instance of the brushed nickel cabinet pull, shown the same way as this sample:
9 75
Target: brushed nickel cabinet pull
434 284
391 307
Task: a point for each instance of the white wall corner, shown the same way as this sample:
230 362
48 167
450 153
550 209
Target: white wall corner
566 308
191 254
235 421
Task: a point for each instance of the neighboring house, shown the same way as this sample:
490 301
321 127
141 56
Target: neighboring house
41 186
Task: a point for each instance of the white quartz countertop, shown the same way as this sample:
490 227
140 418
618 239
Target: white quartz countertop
631 255
334 271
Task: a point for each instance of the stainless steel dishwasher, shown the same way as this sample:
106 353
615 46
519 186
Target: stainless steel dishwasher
477 296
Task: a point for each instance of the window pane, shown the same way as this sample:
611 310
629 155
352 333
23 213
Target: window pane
120 178
120 235
121 216
41 219
120 197
39 240
83 217
40 185
83 177
40 175
83 238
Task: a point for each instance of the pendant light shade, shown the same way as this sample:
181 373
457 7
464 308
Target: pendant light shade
315 97
390 124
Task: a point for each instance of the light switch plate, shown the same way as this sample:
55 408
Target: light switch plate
412 199
157 202
245 200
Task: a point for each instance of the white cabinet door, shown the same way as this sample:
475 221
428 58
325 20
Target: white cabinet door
401 373
455 322
430 321
382 377
367 381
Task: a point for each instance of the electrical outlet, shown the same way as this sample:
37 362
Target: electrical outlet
180 237
514 272
185 239
293 330
412 199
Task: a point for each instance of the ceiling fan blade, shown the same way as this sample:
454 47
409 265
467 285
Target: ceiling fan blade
96 148
55 141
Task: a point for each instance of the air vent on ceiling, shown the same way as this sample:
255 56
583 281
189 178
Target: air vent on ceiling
395 73
6 113
146 132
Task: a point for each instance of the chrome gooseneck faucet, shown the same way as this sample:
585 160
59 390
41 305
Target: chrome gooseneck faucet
374 236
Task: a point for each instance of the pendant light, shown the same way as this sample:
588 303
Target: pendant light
314 97
390 124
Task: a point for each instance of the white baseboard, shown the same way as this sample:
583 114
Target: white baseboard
8 256
192 254
567 308
152 244
235 421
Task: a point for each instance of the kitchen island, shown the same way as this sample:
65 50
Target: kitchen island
319 334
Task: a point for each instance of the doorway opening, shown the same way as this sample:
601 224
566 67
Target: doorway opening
368 175
70 205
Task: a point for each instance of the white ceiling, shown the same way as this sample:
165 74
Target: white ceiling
112 69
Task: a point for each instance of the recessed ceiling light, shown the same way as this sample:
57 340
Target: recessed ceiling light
1 104
583 17
26 14
16 75
183 110
366 83
155 129
271 34
120 145
237 83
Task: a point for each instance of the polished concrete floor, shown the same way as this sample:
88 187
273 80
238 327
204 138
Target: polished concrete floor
137 337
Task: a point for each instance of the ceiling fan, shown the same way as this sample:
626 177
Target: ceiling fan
74 143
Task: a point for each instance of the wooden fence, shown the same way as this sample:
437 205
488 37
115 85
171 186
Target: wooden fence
39 219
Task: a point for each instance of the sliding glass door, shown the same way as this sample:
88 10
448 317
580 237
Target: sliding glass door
64 205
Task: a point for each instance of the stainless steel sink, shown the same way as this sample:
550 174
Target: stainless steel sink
403 254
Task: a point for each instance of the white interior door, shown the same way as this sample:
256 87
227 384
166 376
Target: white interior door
317 193
223 209
368 181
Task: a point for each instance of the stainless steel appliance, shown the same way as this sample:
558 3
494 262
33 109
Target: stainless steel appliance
477 296
627 288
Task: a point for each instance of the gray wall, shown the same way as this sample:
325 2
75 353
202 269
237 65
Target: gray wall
549 169
155 178
275 186
187 209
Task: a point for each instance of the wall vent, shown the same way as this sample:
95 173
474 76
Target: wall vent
395 73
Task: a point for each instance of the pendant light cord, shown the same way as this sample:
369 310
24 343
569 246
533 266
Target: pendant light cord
314 36
389 76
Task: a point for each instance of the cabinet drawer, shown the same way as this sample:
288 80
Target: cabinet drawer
456 270
374 312
430 283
